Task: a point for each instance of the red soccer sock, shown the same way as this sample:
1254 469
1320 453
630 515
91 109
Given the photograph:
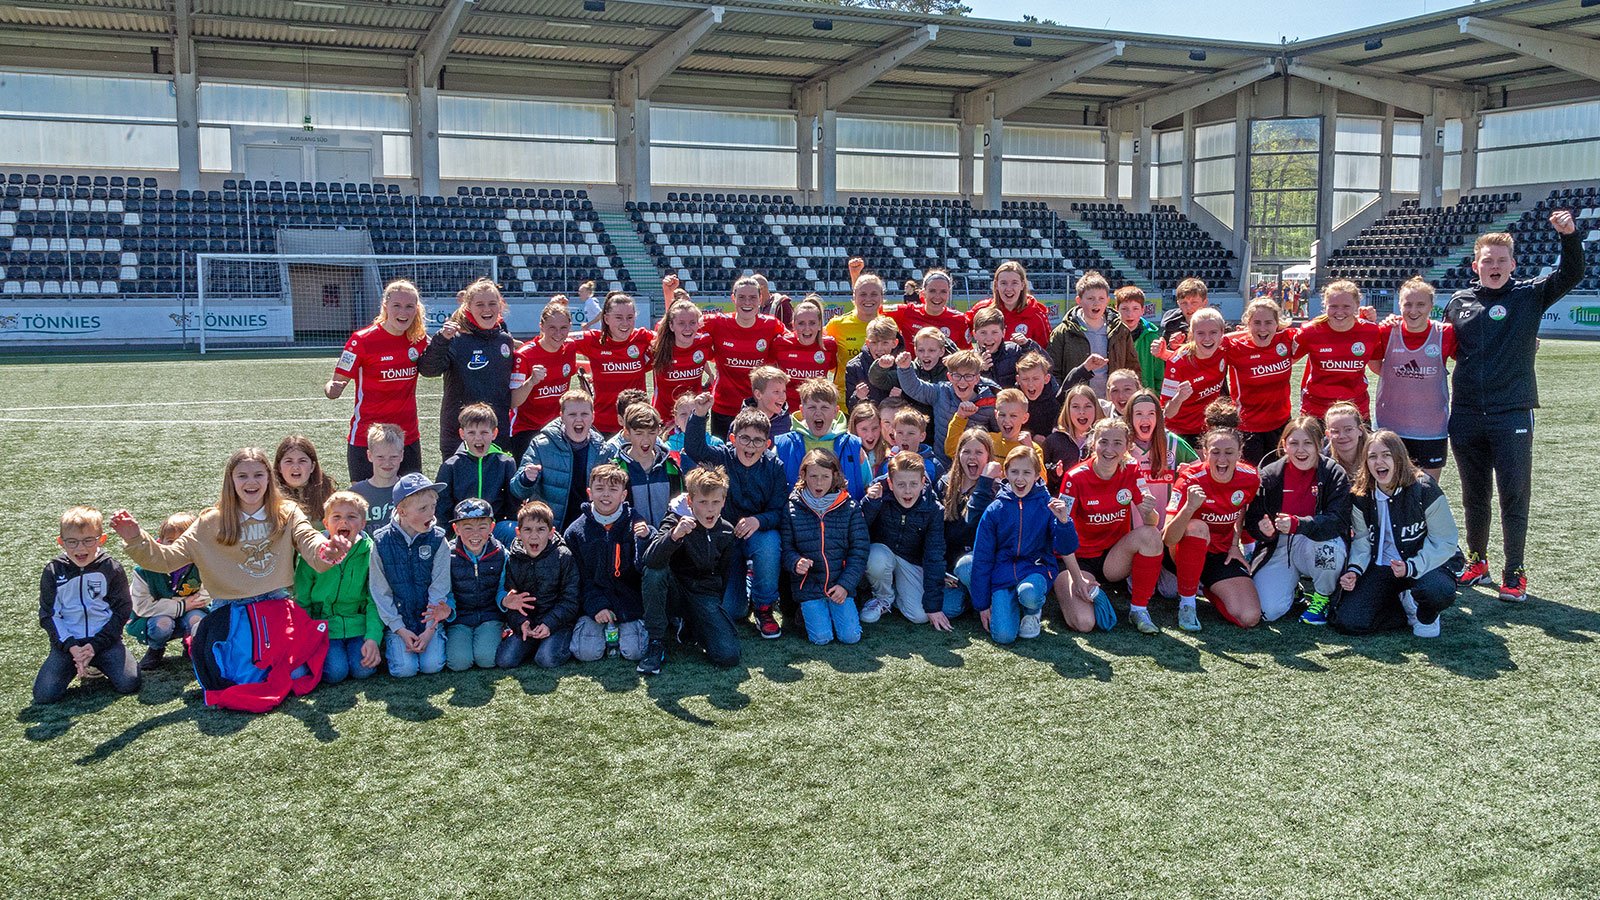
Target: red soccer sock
1189 558
1146 572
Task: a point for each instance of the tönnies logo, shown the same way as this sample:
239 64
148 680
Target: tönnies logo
1344 365
747 363
51 324
1272 368
620 367
1110 518
407 372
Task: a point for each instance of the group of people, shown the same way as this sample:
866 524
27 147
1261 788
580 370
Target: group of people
698 481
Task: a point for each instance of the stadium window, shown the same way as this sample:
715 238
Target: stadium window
1214 155
1054 162
722 148
1452 156
1125 167
900 155
1357 165
1407 174
1168 165
87 121
1524 146
496 138
224 103
1284 166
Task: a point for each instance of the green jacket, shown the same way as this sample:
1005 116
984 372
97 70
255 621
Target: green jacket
340 596
1152 371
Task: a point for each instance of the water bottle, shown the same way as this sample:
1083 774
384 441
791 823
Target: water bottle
613 636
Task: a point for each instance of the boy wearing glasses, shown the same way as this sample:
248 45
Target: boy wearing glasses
964 385
84 602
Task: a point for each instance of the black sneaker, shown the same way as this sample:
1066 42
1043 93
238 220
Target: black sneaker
152 659
654 656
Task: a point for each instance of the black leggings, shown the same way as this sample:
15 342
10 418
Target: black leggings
1258 444
1495 451
361 469
1374 604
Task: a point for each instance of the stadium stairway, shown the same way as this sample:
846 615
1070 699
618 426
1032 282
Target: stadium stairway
633 259
1463 251
1108 252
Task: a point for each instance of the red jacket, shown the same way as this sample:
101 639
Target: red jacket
283 638
1031 322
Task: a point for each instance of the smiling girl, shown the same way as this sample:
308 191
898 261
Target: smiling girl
472 350
1069 443
382 360
1260 367
300 476
681 353
619 356
1202 531
541 373
1025 316
1299 520
805 352
1195 375
244 547
741 343
1337 347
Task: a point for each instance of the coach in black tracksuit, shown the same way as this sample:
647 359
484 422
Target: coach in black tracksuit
1496 323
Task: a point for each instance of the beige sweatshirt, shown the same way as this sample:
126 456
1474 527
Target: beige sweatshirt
259 563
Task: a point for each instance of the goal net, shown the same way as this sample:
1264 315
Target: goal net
316 299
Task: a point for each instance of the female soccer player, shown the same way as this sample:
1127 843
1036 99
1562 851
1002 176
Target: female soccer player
1338 347
1260 368
472 350
1158 452
1115 517
932 312
1413 387
1026 317
681 352
619 356
542 373
805 352
1299 521
1405 535
1195 375
741 343
1202 531
382 360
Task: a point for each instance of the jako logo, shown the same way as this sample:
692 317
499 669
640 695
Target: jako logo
1585 315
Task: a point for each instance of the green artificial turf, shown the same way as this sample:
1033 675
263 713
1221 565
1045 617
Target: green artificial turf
1282 762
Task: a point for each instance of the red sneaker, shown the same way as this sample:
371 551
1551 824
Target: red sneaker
1476 572
1515 589
767 624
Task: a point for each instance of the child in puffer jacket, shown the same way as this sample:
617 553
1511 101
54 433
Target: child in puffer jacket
825 545
1014 562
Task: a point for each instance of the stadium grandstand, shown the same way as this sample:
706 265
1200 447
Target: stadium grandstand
557 142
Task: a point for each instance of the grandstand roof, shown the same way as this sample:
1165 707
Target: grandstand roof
793 42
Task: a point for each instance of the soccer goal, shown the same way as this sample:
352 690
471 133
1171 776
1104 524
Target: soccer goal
316 299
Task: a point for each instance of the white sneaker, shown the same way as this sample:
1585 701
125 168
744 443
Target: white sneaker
1409 604
873 610
1029 627
1426 631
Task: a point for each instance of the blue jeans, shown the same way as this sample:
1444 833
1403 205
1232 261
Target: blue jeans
344 661
160 629
404 664
955 598
469 645
763 551
826 620
1007 606
548 653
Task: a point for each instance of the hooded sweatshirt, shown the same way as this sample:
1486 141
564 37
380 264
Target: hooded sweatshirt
792 448
476 365
1018 537
84 605
341 596
487 476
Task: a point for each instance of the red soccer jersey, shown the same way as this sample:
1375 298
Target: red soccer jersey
384 369
1225 503
738 352
1258 378
1103 508
686 374
1031 322
1415 340
913 317
804 362
544 402
1205 376
616 367
1336 366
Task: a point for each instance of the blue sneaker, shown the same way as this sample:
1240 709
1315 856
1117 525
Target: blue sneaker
1316 610
1104 615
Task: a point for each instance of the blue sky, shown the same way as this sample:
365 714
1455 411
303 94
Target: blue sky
1246 20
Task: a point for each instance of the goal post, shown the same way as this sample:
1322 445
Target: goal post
309 300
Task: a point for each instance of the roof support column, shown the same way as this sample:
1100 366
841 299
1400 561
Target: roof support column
1186 185
424 101
1325 179
186 90
967 148
1469 151
993 162
1113 164
1143 154
1386 159
1431 184
1241 182
805 136
828 156
631 89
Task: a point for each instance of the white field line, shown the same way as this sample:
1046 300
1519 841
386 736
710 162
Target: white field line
141 405
167 422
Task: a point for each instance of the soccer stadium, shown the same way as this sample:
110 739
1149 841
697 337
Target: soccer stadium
906 300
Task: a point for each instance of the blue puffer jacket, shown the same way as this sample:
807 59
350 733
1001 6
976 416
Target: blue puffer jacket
551 450
835 541
610 563
478 584
916 535
1018 537
757 490
791 449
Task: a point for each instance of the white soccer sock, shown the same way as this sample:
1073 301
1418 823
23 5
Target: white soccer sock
1186 601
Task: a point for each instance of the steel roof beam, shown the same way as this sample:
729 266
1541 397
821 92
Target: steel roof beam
1001 98
435 45
834 86
1408 93
1578 55
1163 103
